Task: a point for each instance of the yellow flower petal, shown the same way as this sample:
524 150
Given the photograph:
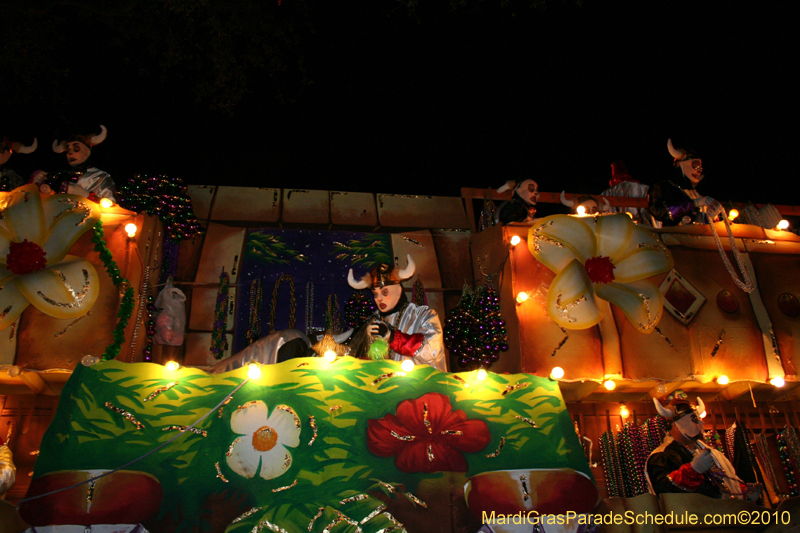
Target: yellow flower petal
12 303
66 290
558 239
23 216
641 302
570 299
613 235
68 217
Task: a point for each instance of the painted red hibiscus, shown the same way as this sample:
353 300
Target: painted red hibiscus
426 435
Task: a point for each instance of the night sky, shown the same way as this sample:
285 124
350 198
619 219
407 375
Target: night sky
430 100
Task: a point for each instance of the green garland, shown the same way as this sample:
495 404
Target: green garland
126 305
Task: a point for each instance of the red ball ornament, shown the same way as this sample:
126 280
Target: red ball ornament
25 257
727 301
788 304
600 269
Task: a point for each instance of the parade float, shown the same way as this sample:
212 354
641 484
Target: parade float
117 422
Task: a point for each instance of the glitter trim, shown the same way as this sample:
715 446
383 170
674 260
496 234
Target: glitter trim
90 495
76 296
406 438
351 499
160 390
388 487
425 418
515 386
125 414
333 408
452 433
287 461
291 412
319 513
527 421
430 453
375 512
563 310
384 377
2 316
460 380
74 206
244 515
226 402
525 495
196 431
301 365
287 487
234 443
246 405
313 423
497 451
219 472
416 500
269 525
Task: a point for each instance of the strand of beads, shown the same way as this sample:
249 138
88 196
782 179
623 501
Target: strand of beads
730 433
748 447
150 330
274 303
333 321
788 468
357 309
309 306
219 340
418 296
762 447
254 318
793 444
143 290
639 456
169 259
608 454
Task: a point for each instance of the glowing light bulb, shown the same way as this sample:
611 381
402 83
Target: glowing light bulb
778 381
172 366
522 297
14 371
131 229
581 210
783 225
515 240
630 215
557 372
330 356
407 365
609 384
722 380
89 360
481 374
623 411
106 203
254 371
732 214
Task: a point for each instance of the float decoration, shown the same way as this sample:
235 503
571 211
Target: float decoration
35 235
299 439
166 198
604 257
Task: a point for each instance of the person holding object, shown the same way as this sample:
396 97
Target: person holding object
683 463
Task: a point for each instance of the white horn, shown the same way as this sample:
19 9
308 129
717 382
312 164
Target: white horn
59 146
100 137
408 271
506 186
663 411
606 205
356 284
701 407
22 149
568 203
674 152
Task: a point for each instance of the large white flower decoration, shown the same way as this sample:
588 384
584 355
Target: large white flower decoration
35 235
606 257
261 446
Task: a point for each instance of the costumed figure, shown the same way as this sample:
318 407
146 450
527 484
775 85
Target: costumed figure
522 205
622 184
82 179
411 331
585 204
10 522
10 180
676 201
683 463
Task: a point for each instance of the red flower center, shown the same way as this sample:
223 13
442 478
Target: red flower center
25 257
600 269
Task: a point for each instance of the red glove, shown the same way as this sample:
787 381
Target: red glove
406 344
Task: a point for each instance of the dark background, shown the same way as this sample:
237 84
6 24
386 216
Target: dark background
416 98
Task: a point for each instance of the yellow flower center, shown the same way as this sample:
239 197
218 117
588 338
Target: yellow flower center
265 438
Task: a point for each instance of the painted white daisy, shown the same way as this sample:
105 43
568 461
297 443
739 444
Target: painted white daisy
262 445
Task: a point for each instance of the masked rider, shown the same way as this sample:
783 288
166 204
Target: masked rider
412 331
676 201
83 179
683 463
10 180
